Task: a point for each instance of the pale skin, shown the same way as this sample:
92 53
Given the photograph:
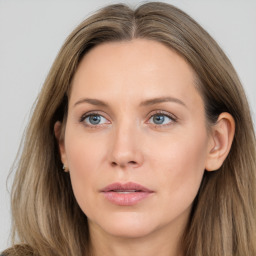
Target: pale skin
135 115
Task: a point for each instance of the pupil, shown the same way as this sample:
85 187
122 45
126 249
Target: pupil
94 119
158 119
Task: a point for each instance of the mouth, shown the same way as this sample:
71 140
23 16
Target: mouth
126 194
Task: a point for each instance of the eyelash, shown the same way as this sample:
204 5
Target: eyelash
173 119
91 114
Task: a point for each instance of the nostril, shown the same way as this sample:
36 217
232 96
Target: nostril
114 164
123 164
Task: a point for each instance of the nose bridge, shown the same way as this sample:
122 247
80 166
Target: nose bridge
125 149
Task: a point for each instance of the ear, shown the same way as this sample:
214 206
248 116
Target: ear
222 135
60 140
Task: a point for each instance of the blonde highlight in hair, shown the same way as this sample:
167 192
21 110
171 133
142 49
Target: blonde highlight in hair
46 216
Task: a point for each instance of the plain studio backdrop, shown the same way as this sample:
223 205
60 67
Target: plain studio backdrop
32 32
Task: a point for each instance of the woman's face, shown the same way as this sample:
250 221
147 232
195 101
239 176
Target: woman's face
135 143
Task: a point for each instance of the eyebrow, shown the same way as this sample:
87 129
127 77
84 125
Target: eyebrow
148 102
161 100
92 102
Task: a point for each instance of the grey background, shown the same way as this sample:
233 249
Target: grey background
32 32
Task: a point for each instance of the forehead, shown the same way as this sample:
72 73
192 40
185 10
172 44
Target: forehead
134 69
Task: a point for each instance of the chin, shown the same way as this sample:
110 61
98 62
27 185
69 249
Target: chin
129 231
127 225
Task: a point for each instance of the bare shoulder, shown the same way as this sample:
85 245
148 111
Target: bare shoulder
19 250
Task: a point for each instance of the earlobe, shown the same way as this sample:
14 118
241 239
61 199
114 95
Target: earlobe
60 140
221 140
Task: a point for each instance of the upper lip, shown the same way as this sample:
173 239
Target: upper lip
129 186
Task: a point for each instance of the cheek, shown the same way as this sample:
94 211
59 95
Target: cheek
79 155
83 158
180 165
84 151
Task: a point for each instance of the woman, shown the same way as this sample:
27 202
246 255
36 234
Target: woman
141 143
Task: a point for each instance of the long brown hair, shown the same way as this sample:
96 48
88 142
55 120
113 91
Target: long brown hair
46 216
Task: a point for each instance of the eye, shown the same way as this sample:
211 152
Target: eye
161 119
94 119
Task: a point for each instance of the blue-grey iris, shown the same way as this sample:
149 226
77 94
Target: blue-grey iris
158 119
95 119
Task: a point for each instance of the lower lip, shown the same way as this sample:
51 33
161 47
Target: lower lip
126 199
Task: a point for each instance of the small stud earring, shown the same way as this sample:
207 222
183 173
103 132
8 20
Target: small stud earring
64 168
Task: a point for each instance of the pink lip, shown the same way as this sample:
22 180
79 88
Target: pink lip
125 194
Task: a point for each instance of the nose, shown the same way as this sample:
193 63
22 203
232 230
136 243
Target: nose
125 150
